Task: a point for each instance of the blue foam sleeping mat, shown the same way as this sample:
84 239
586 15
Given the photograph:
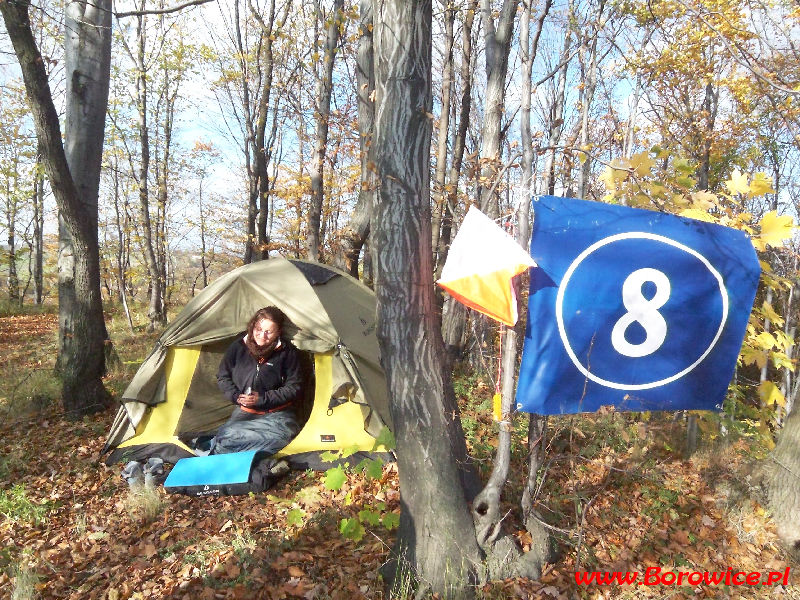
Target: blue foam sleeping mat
218 474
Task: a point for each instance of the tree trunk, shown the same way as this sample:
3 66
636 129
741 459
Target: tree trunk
709 115
121 228
506 559
446 226
435 542
147 226
322 115
782 470
498 38
38 233
261 146
357 230
11 225
556 117
440 171
88 43
498 46
587 94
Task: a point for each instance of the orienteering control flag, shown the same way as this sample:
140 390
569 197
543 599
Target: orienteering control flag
480 265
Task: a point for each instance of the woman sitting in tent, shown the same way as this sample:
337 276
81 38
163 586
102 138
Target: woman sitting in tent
260 373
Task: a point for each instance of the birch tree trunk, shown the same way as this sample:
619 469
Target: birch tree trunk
322 115
87 44
436 539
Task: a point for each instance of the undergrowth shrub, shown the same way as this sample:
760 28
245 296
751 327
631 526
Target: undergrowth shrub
33 392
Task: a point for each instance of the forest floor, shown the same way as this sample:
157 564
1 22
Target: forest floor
617 494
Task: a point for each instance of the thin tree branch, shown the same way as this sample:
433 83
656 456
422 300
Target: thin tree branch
162 11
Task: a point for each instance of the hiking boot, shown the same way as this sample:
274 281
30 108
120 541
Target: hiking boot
153 472
133 474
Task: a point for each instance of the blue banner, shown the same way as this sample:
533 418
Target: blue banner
632 308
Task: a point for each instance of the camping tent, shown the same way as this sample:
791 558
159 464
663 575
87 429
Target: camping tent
173 398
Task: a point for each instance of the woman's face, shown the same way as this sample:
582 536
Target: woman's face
265 332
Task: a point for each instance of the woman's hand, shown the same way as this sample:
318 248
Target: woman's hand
248 400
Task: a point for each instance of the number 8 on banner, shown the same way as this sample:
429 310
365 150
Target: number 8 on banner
636 309
643 311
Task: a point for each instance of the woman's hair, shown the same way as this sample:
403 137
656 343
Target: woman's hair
274 314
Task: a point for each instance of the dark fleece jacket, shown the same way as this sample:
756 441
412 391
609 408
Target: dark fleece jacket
277 380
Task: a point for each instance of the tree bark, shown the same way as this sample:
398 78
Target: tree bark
498 45
782 470
357 230
506 559
446 227
587 93
436 536
88 43
556 116
38 232
440 171
155 311
322 115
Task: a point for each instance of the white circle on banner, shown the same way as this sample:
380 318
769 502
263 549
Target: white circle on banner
627 236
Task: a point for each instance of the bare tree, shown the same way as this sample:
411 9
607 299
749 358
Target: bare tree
82 331
355 233
322 110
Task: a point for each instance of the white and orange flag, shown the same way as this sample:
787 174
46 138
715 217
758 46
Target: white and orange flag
480 265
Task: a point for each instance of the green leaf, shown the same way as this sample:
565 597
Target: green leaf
329 456
335 478
351 529
295 517
391 520
368 516
374 468
345 452
386 439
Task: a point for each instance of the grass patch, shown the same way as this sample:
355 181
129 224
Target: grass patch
11 308
15 505
144 504
25 580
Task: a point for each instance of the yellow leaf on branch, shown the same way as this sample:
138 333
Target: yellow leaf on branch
761 185
770 394
770 314
697 213
737 184
765 340
774 230
703 200
753 356
642 164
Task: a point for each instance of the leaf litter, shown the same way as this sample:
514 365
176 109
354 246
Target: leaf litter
627 510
